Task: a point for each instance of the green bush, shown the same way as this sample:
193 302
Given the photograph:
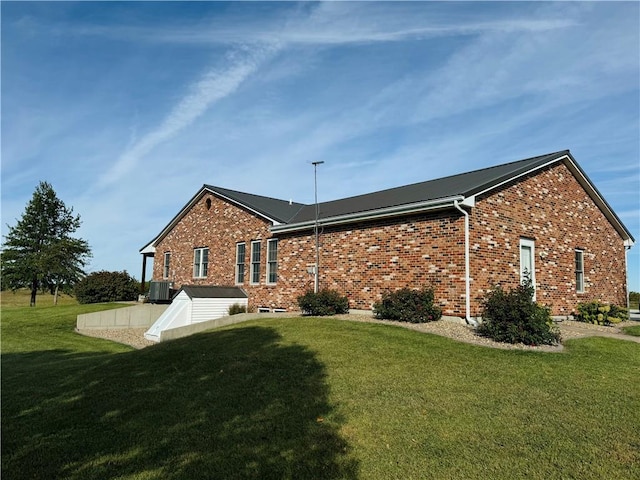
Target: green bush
106 286
600 313
513 317
236 308
325 302
406 305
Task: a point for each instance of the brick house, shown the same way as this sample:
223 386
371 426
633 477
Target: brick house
540 217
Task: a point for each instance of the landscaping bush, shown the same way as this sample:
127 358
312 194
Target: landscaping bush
106 286
406 305
236 308
600 314
325 302
513 317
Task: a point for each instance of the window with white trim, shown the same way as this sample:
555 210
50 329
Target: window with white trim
165 266
579 261
240 259
272 260
200 262
527 263
255 262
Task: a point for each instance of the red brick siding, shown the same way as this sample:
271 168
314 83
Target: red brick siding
553 209
364 260
219 227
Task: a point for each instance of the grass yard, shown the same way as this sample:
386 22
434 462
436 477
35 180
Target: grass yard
633 330
310 399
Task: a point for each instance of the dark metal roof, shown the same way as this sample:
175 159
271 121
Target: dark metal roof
464 184
442 192
280 210
209 291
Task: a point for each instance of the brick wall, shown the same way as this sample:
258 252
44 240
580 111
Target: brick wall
553 209
364 260
218 225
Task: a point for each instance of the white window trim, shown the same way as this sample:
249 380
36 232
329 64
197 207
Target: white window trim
271 242
201 264
244 263
579 288
531 244
255 243
166 266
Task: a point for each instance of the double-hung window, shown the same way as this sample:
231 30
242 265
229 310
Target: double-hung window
165 267
240 259
579 271
272 260
200 262
255 262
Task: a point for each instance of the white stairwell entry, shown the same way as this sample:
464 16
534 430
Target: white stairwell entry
195 304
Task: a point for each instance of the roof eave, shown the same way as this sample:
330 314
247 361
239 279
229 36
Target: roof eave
583 180
395 211
150 247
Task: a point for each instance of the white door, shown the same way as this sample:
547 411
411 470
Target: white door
527 263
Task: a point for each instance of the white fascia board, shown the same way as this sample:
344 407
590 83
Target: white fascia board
149 248
584 182
438 204
511 179
196 198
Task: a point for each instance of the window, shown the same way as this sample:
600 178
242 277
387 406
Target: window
200 262
272 261
579 271
165 268
255 262
240 258
527 263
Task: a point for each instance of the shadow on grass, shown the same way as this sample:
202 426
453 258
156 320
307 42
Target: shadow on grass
226 404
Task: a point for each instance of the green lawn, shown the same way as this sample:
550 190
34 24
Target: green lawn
310 399
632 330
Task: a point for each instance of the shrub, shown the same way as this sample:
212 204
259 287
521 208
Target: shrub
513 317
325 302
106 286
406 305
237 308
600 314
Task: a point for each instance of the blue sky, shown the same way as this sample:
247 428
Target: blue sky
127 108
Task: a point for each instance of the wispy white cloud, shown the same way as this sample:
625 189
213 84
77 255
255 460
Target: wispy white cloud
246 96
213 86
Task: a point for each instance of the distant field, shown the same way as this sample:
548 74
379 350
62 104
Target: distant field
21 298
307 398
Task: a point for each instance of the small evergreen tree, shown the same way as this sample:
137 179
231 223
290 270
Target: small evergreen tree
39 251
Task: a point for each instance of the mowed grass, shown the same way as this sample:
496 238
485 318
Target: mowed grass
311 398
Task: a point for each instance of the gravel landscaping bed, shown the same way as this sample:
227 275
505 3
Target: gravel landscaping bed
458 331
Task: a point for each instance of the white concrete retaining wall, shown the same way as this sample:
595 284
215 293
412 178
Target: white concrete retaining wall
136 316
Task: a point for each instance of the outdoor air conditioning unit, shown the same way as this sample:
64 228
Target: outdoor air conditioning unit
160 292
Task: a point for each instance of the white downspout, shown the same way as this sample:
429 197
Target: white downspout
467 267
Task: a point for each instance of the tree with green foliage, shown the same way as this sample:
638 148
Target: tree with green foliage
106 286
39 252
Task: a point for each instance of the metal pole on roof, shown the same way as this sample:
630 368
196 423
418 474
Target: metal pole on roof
316 282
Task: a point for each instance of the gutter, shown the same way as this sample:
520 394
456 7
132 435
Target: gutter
467 268
438 204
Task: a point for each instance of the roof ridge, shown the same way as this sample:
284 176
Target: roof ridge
230 190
